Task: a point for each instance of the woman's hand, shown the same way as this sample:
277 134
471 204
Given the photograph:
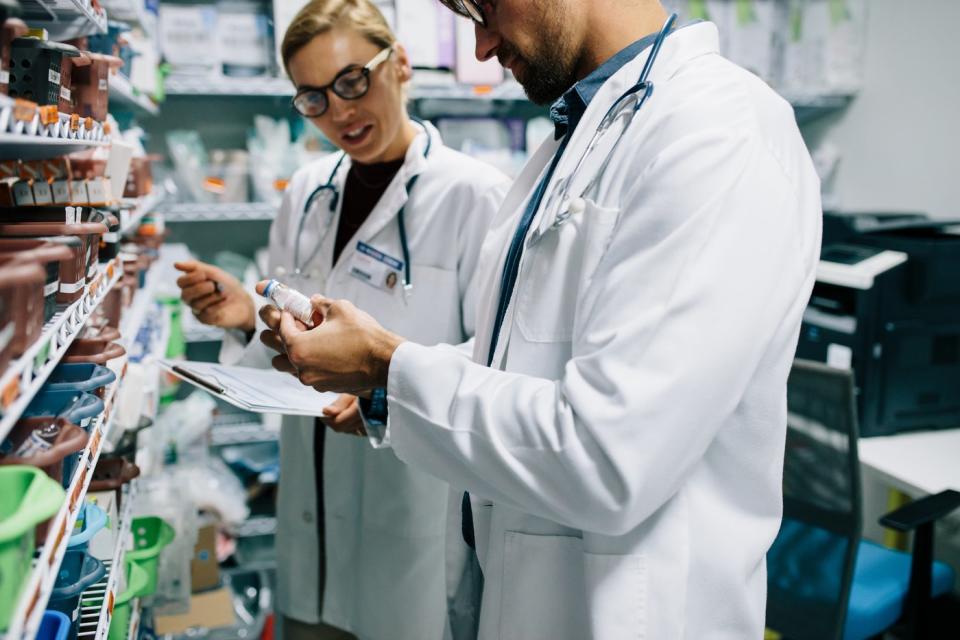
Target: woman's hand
343 415
216 297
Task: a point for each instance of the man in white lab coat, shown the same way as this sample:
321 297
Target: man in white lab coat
620 429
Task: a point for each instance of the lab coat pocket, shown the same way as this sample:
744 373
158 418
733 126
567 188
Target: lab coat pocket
556 266
617 586
543 588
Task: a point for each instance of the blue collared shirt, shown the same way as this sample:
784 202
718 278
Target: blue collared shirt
569 108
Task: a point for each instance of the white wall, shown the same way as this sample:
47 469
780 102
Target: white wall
900 137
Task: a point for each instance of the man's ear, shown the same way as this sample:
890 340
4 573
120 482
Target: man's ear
404 68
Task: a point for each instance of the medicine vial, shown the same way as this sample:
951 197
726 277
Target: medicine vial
290 300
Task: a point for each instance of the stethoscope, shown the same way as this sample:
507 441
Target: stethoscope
560 204
331 191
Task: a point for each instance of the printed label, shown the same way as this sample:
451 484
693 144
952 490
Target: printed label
53 76
23 194
78 190
6 335
65 93
102 85
61 191
41 192
4 77
113 236
50 288
71 287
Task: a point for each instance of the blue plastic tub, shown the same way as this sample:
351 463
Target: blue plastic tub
79 407
78 572
94 519
54 625
80 377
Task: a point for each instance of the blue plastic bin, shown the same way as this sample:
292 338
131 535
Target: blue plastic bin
94 519
80 377
78 572
54 625
79 407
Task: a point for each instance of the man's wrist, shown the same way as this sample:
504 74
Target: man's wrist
382 346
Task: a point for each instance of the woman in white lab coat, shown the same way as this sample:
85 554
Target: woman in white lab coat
368 554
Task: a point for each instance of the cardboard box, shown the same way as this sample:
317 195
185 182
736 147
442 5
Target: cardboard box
204 569
209 610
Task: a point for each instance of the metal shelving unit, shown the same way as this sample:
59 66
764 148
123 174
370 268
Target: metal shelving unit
224 435
27 147
25 375
36 591
257 526
24 134
185 85
217 212
807 108
65 19
123 94
97 602
132 210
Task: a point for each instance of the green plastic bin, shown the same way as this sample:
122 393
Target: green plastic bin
27 497
150 535
137 580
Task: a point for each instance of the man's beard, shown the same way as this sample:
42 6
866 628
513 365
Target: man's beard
544 76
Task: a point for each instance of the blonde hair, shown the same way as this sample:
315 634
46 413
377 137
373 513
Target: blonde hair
319 16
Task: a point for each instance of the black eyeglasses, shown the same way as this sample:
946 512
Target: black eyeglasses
468 9
350 84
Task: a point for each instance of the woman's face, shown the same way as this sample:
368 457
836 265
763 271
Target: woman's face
371 128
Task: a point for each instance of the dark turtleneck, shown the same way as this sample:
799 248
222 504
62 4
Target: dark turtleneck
365 185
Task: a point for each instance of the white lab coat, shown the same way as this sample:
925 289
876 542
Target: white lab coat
625 467
384 527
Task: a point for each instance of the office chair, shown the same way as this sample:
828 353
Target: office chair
823 580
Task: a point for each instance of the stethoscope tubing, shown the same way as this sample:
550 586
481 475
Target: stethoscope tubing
334 192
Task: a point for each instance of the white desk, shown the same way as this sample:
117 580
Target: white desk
916 463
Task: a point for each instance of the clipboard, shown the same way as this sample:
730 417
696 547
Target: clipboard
255 390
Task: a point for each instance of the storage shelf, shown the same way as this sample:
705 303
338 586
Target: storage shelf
125 96
134 13
97 610
257 526
232 434
36 590
807 108
217 212
24 136
65 19
25 147
25 375
186 85
132 210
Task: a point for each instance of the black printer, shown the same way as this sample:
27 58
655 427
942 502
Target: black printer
887 304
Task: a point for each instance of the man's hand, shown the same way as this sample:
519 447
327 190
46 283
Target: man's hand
348 351
343 416
215 297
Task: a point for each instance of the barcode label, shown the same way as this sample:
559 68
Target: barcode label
53 76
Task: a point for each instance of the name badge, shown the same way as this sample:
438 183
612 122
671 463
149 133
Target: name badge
375 267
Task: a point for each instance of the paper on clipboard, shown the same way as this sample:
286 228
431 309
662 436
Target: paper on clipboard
256 390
